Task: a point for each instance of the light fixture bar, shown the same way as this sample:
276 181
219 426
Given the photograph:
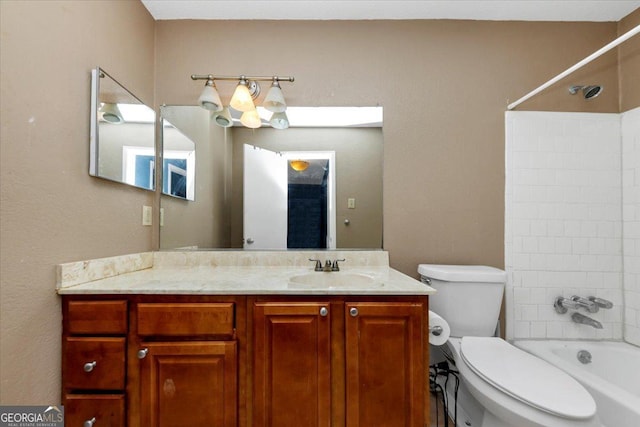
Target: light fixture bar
232 78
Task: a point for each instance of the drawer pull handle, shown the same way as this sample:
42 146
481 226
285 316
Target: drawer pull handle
90 423
88 367
143 353
324 311
353 311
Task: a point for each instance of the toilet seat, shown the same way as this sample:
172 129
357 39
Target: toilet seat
526 378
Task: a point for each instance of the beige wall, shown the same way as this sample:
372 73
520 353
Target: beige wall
444 86
52 211
629 63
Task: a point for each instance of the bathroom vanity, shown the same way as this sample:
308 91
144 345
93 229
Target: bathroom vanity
243 339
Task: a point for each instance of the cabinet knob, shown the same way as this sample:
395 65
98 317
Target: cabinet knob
143 353
88 367
90 423
353 311
324 311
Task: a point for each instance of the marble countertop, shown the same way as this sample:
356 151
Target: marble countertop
240 273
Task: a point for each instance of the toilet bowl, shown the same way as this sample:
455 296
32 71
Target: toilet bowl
502 386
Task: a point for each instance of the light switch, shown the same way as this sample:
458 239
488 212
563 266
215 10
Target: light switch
147 215
351 203
161 217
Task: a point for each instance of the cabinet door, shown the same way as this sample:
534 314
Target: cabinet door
384 364
292 364
189 384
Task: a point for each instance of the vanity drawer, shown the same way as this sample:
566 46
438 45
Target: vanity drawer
94 363
97 317
185 319
106 409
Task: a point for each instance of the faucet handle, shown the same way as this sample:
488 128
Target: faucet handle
585 303
318 266
601 302
335 266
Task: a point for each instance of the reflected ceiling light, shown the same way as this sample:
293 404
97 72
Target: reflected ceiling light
299 165
111 113
279 120
251 119
274 101
223 118
209 99
243 98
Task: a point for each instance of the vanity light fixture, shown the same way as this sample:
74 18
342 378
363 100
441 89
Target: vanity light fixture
223 118
299 165
210 99
247 90
111 113
251 119
279 120
274 101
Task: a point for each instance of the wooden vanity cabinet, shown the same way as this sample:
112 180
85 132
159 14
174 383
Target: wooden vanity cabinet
247 361
385 364
94 362
340 362
187 364
292 364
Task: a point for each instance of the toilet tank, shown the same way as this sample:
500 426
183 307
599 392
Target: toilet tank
468 298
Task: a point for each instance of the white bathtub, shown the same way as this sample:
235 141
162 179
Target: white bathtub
612 377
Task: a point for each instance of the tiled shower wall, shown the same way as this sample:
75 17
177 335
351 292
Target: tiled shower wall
631 223
563 230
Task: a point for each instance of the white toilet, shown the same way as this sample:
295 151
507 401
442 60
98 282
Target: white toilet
501 385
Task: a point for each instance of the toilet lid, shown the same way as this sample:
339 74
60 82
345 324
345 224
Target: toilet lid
526 377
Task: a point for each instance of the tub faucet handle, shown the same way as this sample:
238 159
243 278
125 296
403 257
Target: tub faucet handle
585 303
601 302
562 305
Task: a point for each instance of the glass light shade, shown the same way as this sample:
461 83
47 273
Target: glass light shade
274 101
241 99
279 121
251 119
111 113
210 99
223 118
299 165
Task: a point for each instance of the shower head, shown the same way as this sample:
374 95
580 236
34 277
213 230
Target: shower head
587 91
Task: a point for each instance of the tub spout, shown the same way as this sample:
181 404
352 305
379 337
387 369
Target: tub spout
581 318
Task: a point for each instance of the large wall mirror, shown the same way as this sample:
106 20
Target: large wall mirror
122 140
317 184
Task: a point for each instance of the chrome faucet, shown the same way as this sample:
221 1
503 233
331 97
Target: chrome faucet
582 319
318 266
601 302
562 304
328 265
586 303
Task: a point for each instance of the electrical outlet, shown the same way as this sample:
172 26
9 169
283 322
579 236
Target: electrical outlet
147 215
351 203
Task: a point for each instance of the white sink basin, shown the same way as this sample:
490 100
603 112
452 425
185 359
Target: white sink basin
333 279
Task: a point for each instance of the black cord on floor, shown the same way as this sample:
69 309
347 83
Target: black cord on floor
443 369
